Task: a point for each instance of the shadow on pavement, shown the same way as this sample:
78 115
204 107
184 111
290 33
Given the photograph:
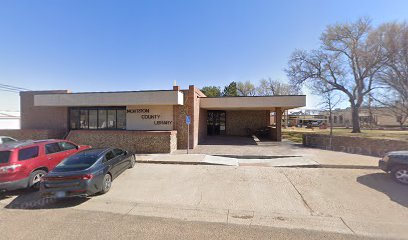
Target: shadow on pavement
228 140
382 182
31 199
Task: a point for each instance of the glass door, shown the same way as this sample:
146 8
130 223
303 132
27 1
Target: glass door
216 123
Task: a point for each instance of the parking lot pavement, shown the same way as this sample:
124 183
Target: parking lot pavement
364 202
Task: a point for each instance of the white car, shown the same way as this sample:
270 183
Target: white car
5 139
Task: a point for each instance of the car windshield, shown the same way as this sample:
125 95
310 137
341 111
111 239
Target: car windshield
4 156
78 162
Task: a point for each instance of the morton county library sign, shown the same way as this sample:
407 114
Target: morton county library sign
149 118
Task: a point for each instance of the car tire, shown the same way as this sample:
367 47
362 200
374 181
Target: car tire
400 174
132 162
34 179
106 183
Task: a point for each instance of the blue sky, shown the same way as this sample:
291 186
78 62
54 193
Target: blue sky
136 45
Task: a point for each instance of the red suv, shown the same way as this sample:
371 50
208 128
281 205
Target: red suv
22 164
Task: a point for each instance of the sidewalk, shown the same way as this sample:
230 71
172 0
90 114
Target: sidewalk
300 157
203 159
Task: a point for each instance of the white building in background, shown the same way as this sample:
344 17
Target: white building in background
9 120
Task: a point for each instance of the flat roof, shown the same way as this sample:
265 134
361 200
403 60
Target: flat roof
253 102
128 98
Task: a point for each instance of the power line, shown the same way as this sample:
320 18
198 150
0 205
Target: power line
10 88
13 87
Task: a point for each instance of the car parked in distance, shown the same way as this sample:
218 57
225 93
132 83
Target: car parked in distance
86 173
396 163
5 139
23 163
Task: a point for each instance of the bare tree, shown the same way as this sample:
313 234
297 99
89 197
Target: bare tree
395 74
347 61
269 87
246 88
330 99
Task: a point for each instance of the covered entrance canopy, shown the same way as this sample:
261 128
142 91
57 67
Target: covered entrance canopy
244 116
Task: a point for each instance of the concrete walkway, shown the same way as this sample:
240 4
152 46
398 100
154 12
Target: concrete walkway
246 152
203 159
295 154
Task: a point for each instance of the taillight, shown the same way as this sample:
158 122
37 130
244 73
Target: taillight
82 177
87 177
10 169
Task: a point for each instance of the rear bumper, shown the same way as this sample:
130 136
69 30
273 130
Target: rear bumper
14 185
383 165
83 189
64 194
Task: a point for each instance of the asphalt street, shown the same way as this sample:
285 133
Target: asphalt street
76 224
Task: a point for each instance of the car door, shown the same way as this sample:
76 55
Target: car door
122 161
31 158
112 162
54 154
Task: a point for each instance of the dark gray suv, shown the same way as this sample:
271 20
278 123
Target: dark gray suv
397 164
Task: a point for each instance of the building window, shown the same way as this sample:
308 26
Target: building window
98 118
93 119
111 118
102 119
335 119
341 119
83 119
121 119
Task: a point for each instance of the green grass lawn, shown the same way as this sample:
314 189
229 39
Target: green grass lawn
295 134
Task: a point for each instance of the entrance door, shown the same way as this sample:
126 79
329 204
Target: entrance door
216 123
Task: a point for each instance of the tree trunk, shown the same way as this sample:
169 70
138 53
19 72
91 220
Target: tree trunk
331 128
355 118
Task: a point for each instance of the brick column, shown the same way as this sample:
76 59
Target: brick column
278 120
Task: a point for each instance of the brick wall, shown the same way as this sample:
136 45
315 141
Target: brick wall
202 132
239 121
191 107
42 117
356 145
134 141
33 134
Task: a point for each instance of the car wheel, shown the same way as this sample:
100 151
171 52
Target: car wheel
35 178
132 162
107 183
400 174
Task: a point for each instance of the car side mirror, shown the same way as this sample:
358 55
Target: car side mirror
125 153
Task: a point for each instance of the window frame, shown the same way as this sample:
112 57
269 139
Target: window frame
62 142
45 148
77 118
105 160
32 157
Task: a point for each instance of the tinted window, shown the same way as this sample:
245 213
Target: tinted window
4 156
102 119
83 119
118 152
74 118
93 119
121 119
109 155
67 146
6 140
28 153
111 118
77 162
52 148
